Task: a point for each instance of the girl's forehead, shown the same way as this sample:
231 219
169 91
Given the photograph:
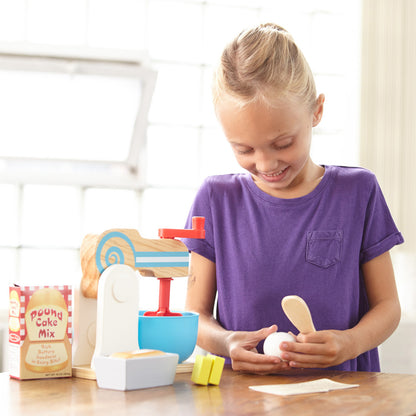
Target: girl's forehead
284 111
259 121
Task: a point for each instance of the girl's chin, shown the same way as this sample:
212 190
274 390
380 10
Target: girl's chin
269 187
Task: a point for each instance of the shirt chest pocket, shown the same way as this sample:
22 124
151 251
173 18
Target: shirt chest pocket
323 248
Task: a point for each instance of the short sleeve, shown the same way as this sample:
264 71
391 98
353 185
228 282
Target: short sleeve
380 232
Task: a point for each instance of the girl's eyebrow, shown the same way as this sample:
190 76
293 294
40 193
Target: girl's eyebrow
233 142
283 136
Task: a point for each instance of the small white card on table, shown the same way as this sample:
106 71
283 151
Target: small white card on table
317 386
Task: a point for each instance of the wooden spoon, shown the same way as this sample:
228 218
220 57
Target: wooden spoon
298 313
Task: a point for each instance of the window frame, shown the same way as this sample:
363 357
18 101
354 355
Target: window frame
88 61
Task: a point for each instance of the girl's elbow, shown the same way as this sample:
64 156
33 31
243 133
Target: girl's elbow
397 314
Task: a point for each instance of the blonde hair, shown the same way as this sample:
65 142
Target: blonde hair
263 63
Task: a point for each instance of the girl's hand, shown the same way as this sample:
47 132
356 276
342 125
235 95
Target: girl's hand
242 350
319 349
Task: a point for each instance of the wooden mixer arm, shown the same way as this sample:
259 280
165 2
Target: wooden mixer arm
161 258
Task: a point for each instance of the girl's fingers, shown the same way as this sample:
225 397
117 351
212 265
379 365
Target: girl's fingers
260 364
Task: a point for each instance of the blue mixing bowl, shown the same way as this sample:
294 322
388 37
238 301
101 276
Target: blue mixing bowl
176 334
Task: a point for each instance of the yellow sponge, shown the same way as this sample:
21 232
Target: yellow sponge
207 369
216 369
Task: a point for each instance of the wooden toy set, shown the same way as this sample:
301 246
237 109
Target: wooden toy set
114 342
109 331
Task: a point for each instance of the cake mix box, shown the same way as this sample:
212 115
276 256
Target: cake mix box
40 331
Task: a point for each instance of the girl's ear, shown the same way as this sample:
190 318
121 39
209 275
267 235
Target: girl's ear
319 110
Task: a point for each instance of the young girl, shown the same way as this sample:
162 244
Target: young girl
288 226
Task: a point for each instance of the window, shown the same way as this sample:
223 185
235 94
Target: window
73 117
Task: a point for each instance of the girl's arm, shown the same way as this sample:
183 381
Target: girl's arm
333 347
239 346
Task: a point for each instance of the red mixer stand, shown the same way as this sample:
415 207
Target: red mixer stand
197 231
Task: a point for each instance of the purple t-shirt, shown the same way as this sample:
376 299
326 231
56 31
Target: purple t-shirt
266 248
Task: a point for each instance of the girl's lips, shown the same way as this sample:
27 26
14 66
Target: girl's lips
275 177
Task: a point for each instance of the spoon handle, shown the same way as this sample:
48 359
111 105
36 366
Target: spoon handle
298 313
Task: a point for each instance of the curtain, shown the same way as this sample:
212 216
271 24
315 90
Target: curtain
388 107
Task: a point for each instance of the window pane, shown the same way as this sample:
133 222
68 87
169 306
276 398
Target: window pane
12 20
8 261
175 30
164 208
110 208
53 115
56 22
172 156
51 216
49 267
329 54
126 18
9 215
177 95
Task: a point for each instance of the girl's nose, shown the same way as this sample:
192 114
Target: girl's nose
265 162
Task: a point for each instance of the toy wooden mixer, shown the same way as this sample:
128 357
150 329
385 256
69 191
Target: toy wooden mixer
108 302
164 258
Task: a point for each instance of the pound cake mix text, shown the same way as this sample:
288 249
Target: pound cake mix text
40 332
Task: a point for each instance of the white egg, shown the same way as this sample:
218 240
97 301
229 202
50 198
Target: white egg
272 343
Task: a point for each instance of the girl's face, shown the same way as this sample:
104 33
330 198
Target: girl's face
273 144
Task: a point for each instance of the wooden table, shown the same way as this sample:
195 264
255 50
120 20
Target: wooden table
378 394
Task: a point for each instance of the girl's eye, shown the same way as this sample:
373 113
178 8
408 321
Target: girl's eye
283 147
284 144
240 151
